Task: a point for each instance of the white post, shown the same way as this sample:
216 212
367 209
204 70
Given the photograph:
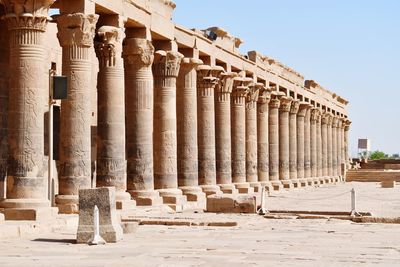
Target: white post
97 239
263 209
353 203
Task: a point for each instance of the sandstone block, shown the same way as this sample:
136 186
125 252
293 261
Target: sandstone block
388 184
231 204
104 198
25 214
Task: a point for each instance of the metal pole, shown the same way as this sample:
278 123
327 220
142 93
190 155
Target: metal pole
50 131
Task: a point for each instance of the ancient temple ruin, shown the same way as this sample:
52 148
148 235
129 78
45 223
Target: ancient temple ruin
163 113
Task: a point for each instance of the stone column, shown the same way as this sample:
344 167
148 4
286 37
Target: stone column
223 133
313 145
284 151
294 109
339 148
329 126
251 137
166 68
207 78
334 148
320 179
273 135
26 184
307 146
186 107
324 147
111 165
346 143
139 104
262 138
4 88
239 94
303 108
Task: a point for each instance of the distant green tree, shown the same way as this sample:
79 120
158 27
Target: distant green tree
378 155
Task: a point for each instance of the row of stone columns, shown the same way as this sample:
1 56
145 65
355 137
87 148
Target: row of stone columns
170 129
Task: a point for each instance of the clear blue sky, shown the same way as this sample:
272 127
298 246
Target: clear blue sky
351 47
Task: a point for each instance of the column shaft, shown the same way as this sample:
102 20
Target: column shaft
339 147
111 165
284 140
139 108
330 169
313 142
293 141
334 147
319 148
166 68
307 145
301 142
75 33
251 135
274 140
262 137
324 134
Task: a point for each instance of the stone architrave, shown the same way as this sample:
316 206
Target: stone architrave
111 164
104 198
4 88
223 132
262 138
207 79
284 149
307 145
186 106
324 147
166 69
251 136
334 148
238 116
273 135
75 34
294 109
303 108
26 185
138 56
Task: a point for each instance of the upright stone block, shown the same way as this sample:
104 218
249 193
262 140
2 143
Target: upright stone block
104 198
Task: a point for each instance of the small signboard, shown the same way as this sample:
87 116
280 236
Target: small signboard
60 87
364 144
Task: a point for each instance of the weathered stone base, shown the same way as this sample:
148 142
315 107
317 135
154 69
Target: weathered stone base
268 186
328 180
388 184
196 198
244 188
146 198
257 187
296 183
174 198
317 181
277 185
303 182
22 203
33 214
229 203
228 189
211 189
124 201
104 199
287 184
67 204
310 182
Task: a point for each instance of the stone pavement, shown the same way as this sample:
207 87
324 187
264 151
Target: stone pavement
255 241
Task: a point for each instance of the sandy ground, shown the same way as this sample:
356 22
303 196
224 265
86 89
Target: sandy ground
256 241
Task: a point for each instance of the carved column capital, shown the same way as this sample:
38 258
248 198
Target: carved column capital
110 45
274 103
208 74
264 96
138 52
27 14
226 81
335 121
315 115
254 92
303 108
190 63
286 103
76 29
167 63
347 124
294 108
326 118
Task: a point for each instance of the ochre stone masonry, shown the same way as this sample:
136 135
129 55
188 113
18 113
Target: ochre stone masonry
164 114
